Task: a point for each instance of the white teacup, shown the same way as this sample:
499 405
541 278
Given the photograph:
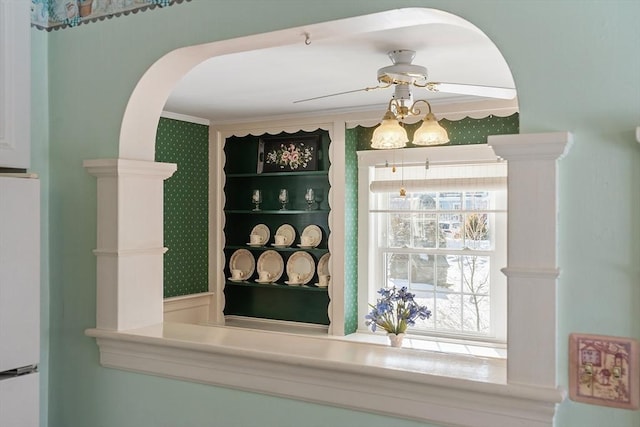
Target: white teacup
236 274
255 239
306 241
280 240
323 280
264 276
295 278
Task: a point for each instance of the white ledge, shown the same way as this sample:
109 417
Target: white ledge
131 252
419 385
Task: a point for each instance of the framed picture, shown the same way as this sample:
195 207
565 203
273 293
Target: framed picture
288 154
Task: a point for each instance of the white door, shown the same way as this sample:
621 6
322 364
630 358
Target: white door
19 272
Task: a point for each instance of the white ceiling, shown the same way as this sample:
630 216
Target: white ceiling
259 84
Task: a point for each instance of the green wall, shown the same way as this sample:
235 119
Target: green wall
186 206
576 66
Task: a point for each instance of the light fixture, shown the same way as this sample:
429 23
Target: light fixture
390 133
430 132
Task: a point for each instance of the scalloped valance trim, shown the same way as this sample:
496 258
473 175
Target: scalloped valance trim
75 19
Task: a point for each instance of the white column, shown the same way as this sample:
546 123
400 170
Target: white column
532 267
130 244
336 199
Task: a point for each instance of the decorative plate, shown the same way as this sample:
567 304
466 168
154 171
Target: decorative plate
288 232
323 264
301 262
243 260
314 233
263 231
271 262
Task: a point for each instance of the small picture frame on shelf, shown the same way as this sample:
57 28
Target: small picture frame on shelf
288 154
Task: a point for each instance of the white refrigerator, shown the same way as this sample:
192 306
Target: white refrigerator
19 300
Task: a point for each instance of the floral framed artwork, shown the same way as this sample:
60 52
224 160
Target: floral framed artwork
288 154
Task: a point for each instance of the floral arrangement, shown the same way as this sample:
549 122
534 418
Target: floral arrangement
395 310
291 155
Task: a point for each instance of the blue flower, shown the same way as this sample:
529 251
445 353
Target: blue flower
395 310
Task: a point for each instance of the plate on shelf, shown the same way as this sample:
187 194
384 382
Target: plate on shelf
243 260
314 233
263 231
293 283
288 232
271 262
302 263
323 264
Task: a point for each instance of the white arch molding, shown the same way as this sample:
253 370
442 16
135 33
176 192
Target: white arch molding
131 333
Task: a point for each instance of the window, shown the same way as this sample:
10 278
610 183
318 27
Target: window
443 237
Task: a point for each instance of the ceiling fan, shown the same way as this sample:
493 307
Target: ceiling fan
404 75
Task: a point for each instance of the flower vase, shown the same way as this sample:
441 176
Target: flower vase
395 339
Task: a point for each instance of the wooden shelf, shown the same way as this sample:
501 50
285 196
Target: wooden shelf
307 304
277 174
273 248
276 286
276 211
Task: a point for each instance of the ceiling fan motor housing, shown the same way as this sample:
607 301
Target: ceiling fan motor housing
402 71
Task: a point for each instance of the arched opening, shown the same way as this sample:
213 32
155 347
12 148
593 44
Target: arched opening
130 247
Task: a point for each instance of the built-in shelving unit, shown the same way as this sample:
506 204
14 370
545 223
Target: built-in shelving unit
277 300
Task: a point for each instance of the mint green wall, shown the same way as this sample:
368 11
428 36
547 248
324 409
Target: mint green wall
186 206
576 65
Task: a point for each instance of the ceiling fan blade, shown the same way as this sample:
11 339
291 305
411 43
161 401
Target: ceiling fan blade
366 89
477 90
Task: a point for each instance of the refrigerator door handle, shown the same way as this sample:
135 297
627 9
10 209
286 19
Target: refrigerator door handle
23 370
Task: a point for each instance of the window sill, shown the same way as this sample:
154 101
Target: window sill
421 385
415 342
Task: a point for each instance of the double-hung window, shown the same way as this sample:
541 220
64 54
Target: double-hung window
436 223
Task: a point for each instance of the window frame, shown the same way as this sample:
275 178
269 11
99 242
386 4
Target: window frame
369 274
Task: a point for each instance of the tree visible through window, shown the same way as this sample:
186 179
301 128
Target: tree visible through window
447 248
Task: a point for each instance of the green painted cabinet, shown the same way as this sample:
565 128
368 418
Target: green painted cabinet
255 163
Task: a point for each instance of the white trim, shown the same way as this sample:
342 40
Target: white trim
194 308
130 252
638 133
536 273
532 268
185 118
423 386
540 146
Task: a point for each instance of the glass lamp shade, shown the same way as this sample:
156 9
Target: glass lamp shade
430 133
389 134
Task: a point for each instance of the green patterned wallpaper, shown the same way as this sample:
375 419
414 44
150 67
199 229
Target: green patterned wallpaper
351 232
185 206
461 132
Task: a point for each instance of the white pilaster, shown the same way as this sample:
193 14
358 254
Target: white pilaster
129 241
532 268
